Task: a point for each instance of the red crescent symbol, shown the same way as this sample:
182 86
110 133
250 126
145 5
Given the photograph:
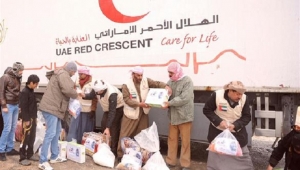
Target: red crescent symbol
110 11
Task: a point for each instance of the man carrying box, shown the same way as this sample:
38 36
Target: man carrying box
136 111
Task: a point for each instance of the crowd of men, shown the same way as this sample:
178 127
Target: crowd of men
126 115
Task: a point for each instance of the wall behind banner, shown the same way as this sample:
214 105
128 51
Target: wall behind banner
215 41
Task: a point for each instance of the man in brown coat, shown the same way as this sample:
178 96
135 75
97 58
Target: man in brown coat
53 106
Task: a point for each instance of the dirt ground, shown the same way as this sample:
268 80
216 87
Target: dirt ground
12 163
260 152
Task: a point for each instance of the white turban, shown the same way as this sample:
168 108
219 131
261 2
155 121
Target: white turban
137 69
99 85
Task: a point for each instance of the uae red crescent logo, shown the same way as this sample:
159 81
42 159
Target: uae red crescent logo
110 11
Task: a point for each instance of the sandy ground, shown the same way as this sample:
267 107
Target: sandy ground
260 152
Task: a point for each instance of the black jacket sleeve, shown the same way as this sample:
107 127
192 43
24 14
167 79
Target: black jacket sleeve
283 146
209 110
90 96
244 119
112 109
24 105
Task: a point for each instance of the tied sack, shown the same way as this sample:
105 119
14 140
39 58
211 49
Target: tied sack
226 143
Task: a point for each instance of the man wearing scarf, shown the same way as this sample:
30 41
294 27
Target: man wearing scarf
181 115
86 119
228 108
136 111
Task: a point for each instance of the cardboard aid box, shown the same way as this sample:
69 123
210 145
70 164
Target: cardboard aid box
156 97
76 152
91 140
62 148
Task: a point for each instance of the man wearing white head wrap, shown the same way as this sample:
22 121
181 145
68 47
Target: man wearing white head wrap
111 101
229 108
54 105
137 70
136 111
181 115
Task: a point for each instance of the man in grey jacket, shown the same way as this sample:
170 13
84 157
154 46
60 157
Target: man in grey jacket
53 106
181 115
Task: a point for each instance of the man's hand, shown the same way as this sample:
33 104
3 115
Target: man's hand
166 105
27 123
106 132
169 90
144 105
223 124
5 110
81 95
231 127
269 167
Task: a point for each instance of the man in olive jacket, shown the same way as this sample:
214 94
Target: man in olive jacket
181 115
53 106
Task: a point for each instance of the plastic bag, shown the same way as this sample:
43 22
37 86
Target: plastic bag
104 156
226 143
40 131
156 162
74 107
19 132
148 138
127 142
146 155
130 161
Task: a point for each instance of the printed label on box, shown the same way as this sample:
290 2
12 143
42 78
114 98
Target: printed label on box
157 97
76 152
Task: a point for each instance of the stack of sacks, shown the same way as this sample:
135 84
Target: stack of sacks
148 140
132 158
143 150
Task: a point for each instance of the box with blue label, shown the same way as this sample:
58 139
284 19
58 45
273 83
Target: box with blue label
76 152
157 97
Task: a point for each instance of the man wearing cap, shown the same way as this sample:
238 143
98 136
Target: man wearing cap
85 121
54 105
10 84
136 111
290 146
229 108
181 115
111 101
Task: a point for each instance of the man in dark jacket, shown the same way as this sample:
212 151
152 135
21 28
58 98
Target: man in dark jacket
229 108
290 146
54 105
10 84
112 103
28 115
1 118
